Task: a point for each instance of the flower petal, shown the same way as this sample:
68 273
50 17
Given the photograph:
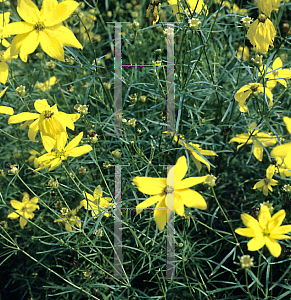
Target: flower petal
60 13
41 105
25 116
148 202
3 72
33 129
177 172
22 222
28 11
74 142
16 204
188 182
281 150
149 185
245 232
276 220
264 216
6 110
256 243
273 246
161 214
17 28
258 151
78 151
192 198
51 45
66 37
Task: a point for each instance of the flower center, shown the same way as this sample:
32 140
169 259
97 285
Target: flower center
267 181
39 26
60 154
168 189
276 73
266 232
254 88
262 18
48 114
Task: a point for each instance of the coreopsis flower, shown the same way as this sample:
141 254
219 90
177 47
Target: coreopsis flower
5 56
62 152
49 121
197 154
42 27
258 139
283 152
171 193
267 6
266 184
251 89
265 231
276 74
197 7
45 86
96 203
261 34
243 51
24 209
69 219
4 20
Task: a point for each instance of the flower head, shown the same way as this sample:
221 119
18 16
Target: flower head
96 203
49 121
171 193
258 139
261 34
70 220
253 88
195 151
24 209
276 74
266 184
62 152
265 231
42 27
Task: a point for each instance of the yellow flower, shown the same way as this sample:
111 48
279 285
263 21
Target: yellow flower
253 88
5 56
244 50
261 34
71 220
197 6
265 231
45 86
50 122
195 151
239 11
62 152
4 20
42 27
267 6
171 193
258 139
276 74
96 203
24 209
283 152
266 184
